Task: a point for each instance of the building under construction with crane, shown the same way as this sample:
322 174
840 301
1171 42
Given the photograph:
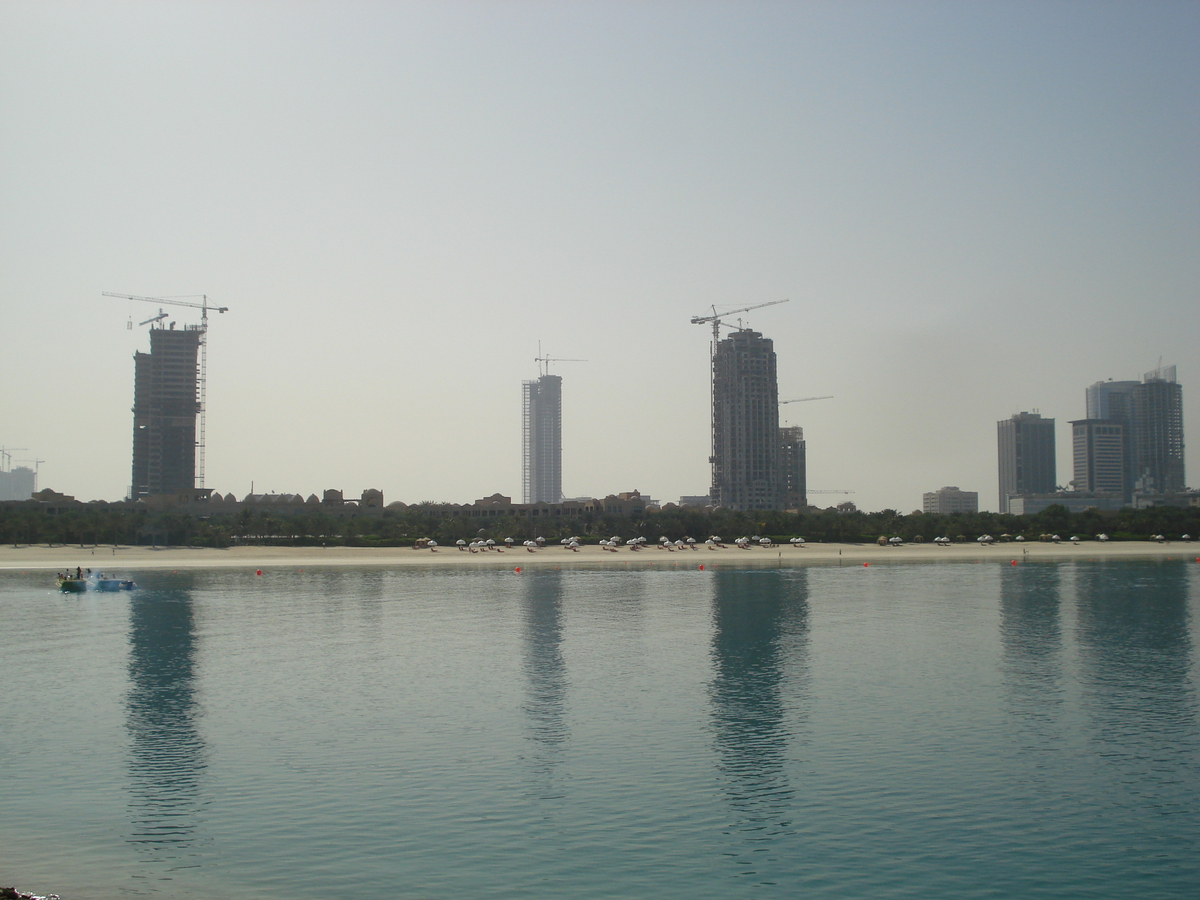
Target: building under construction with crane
168 402
751 457
165 406
746 466
541 433
541 440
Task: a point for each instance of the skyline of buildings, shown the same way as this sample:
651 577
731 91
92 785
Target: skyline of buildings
1130 449
1148 415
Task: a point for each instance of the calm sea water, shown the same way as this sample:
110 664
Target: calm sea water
950 730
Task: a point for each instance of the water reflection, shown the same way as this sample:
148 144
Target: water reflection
759 652
166 752
1031 636
545 670
1136 650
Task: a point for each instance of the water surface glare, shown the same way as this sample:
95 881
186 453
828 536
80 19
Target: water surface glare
949 730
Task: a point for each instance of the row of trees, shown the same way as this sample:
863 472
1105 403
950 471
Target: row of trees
100 524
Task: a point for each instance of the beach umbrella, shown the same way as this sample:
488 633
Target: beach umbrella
1102 537
766 542
460 543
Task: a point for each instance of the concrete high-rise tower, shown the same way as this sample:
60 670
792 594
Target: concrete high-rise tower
746 440
541 440
1025 446
165 404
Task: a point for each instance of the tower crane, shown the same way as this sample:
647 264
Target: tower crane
6 453
161 315
805 399
716 318
204 307
539 359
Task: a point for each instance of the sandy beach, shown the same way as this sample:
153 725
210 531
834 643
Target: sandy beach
120 558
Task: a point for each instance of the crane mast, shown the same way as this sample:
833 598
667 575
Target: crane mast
202 380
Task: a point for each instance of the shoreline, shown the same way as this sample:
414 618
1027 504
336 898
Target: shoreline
108 557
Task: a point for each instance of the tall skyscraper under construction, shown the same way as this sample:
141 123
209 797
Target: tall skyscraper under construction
793 467
1158 432
541 440
746 440
165 404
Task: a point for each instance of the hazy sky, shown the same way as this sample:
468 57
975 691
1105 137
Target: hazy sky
974 208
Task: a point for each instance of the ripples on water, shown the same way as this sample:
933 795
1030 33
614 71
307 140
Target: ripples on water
908 731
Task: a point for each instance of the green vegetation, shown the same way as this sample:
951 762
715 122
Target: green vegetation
100 523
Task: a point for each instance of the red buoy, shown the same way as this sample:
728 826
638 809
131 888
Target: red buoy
258 571
517 569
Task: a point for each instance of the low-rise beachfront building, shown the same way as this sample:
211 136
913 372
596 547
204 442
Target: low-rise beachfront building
950 500
1073 501
1179 498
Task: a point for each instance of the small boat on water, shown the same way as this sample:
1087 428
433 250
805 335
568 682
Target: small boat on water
70 585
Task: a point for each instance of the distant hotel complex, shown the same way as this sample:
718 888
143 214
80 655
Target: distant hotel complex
950 500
